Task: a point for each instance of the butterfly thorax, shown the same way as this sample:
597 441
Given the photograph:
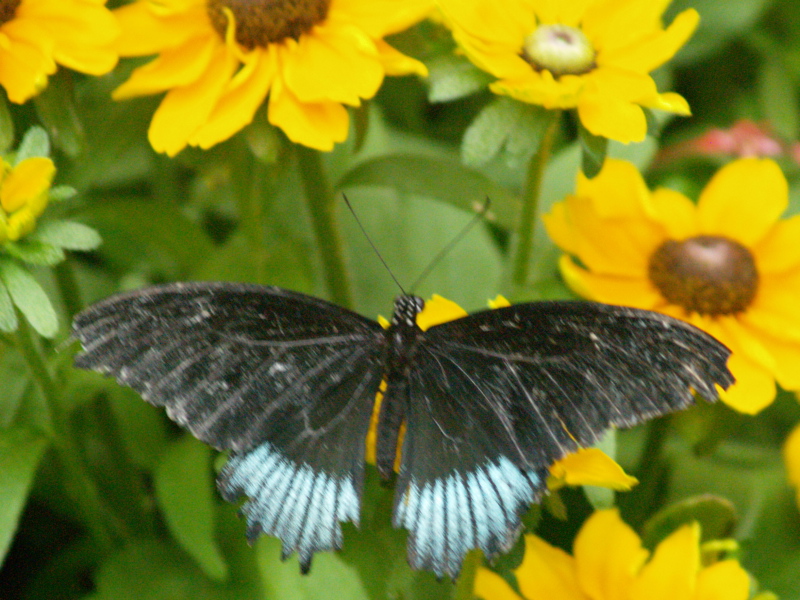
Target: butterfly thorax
402 339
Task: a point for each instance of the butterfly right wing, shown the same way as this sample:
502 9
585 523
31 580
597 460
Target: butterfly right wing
285 381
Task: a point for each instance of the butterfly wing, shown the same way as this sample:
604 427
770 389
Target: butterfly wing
498 396
285 381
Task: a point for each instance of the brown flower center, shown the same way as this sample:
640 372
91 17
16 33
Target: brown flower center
710 275
263 22
8 10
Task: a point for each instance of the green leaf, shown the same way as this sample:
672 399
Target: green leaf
185 495
778 100
34 143
30 298
452 77
59 193
16 382
442 179
716 515
504 124
141 425
8 316
35 252
594 149
68 235
6 126
20 453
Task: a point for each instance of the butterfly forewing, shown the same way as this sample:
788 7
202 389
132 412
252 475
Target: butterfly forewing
498 396
284 380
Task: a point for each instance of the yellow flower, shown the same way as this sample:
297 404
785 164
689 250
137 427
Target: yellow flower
36 35
24 191
589 466
219 59
791 455
728 264
609 563
593 55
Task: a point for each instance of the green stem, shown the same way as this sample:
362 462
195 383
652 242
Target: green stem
643 499
530 207
254 197
70 292
465 585
77 482
322 207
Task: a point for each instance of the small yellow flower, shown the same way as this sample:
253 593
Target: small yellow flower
593 55
609 563
36 35
24 191
729 264
791 455
219 59
589 466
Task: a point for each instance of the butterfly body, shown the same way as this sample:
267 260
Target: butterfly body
287 384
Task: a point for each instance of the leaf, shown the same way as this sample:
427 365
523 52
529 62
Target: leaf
58 193
6 126
442 179
20 453
34 143
8 316
778 100
56 109
16 382
185 495
35 252
68 235
716 515
30 298
594 149
451 77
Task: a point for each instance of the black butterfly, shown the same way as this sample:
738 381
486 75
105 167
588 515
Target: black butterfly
287 382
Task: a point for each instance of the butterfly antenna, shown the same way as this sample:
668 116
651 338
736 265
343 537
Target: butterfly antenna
454 242
374 248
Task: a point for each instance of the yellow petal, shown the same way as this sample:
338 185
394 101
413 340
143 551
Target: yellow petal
672 572
145 31
675 212
397 63
24 66
27 184
779 251
612 289
791 456
175 67
608 554
379 18
490 586
499 302
754 389
560 228
743 200
336 64
618 191
547 572
592 466
609 116
774 310
787 360
612 24
240 101
669 102
317 125
184 109
439 310
724 580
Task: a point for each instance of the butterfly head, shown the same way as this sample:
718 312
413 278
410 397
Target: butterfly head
406 309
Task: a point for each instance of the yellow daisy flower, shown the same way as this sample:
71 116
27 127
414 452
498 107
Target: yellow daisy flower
728 264
219 59
37 35
24 191
593 55
791 455
586 466
609 563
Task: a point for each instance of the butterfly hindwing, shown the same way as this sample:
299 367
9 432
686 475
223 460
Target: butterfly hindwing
285 381
498 396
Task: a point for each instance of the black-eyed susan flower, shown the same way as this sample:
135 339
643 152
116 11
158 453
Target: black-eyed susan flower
24 191
38 35
609 563
586 466
220 59
594 56
727 264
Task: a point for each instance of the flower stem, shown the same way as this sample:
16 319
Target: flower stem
77 482
530 207
322 207
70 292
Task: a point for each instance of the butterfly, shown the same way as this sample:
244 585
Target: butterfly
287 383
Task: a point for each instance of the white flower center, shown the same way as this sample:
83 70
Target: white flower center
560 49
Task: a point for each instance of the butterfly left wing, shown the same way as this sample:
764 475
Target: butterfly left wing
285 381
496 397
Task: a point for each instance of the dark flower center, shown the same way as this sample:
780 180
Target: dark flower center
710 275
560 49
8 10
264 22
